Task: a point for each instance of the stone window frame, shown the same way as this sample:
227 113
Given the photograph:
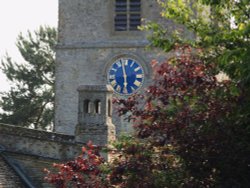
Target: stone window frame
127 31
98 104
87 106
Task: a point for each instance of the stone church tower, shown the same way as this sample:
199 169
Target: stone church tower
100 44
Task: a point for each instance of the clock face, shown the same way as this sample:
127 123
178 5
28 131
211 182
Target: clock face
125 76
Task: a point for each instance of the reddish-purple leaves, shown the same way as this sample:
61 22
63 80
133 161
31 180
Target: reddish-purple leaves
83 172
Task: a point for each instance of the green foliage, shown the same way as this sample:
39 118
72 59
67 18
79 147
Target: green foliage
221 30
30 100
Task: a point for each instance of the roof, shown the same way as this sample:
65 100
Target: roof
8 177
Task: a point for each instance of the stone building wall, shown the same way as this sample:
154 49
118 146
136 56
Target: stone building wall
87 46
39 143
91 21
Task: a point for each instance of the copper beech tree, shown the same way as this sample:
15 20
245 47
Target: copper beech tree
84 171
183 128
184 134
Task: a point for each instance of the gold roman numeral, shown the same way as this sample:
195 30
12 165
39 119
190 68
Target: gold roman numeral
137 68
139 76
119 63
126 62
137 83
118 88
132 64
132 88
112 76
113 83
125 90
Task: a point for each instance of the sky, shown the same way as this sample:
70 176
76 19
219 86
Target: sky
19 16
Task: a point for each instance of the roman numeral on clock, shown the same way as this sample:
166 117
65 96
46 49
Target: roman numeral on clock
125 91
119 63
132 88
137 68
113 69
113 83
137 83
112 76
118 88
132 64
139 76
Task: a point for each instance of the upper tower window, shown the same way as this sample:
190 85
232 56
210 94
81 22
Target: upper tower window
127 15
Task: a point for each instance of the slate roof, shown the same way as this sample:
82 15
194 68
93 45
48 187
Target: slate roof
8 177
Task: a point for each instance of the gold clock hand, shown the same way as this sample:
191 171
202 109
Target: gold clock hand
124 76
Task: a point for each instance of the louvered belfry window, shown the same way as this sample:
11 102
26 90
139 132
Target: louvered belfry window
127 15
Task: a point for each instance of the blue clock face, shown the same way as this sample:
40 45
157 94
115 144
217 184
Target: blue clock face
125 76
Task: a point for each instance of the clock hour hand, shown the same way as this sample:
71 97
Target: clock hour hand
125 78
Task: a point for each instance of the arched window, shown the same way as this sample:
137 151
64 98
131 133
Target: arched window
98 107
87 106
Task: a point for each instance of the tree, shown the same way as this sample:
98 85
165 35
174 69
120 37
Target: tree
30 101
185 125
85 171
221 31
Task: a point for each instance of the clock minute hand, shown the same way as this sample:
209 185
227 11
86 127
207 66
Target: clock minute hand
125 77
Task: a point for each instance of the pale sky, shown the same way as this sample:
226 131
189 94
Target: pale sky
19 16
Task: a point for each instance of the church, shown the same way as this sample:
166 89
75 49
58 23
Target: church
101 54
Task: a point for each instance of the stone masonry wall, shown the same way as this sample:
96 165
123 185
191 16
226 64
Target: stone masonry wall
92 21
87 46
38 143
89 66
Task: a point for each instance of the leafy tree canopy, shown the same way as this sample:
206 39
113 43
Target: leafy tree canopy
31 97
221 30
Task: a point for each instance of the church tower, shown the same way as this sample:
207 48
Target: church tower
99 44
